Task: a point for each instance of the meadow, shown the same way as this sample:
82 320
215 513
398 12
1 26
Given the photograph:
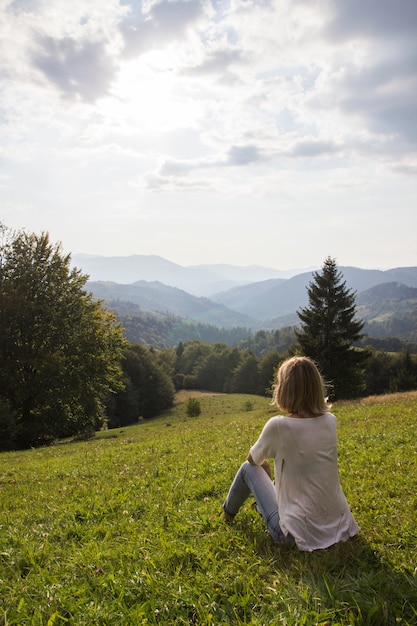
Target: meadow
125 529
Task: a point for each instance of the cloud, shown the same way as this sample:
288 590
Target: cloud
386 96
366 79
243 155
407 168
313 148
162 23
78 69
183 173
173 167
216 62
377 97
236 156
24 5
172 17
373 18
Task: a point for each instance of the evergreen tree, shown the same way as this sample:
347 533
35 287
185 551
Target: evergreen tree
328 330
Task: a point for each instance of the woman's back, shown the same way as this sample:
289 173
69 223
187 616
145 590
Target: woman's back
311 503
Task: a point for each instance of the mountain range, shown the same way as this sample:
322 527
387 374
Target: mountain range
253 298
272 299
198 280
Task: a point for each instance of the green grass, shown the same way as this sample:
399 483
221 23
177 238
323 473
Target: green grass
125 529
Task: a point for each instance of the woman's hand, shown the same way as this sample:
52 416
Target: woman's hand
267 468
265 465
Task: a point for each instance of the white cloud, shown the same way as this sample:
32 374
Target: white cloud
374 18
78 70
158 24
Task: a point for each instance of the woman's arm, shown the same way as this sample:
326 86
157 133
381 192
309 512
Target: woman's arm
265 465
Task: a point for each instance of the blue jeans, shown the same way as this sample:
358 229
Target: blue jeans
252 479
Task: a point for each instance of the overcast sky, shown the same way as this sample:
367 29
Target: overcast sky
247 132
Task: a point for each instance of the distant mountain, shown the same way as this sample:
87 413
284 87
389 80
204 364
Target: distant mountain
391 292
268 299
199 280
277 298
385 301
155 296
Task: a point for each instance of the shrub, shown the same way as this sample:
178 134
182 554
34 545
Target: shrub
193 407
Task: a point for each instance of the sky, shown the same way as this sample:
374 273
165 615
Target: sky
246 132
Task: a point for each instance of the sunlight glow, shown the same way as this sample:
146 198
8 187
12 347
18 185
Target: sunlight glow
150 96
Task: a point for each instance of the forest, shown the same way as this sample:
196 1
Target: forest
220 368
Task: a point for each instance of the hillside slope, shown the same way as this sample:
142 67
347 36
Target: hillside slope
155 296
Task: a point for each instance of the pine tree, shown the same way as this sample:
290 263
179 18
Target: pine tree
328 329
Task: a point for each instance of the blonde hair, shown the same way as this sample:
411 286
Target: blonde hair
300 388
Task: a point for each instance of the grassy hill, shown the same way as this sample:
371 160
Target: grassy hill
125 530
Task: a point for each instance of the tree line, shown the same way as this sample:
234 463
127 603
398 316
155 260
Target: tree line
165 330
67 369
151 377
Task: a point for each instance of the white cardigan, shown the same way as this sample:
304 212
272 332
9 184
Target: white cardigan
311 504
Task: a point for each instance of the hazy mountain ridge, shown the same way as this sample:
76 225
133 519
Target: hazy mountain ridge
157 297
199 280
278 298
269 304
385 301
386 291
244 289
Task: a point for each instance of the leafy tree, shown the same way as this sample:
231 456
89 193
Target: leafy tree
59 349
148 390
246 375
390 344
214 371
190 382
380 371
190 354
166 359
406 377
205 366
329 328
122 406
388 372
264 341
267 368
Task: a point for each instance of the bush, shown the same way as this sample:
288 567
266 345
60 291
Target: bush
193 407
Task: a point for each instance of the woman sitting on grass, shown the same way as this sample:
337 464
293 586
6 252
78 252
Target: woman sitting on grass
306 506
